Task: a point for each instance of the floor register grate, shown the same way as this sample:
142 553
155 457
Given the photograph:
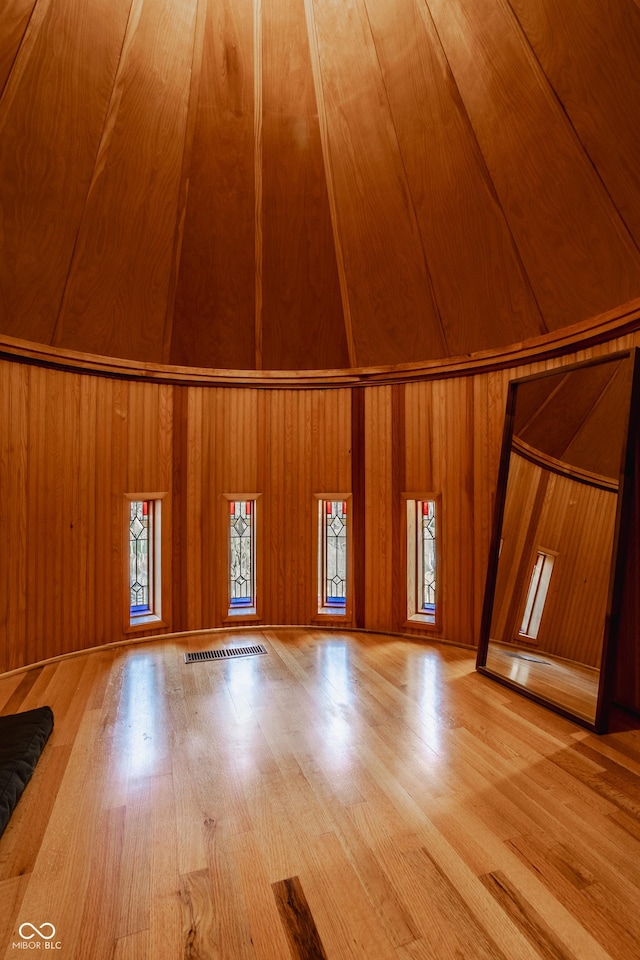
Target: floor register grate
529 657
224 653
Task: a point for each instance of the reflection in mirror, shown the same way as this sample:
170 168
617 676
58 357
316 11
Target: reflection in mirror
549 584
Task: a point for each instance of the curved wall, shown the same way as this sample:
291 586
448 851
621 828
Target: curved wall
72 443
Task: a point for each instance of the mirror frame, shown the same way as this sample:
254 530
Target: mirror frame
618 553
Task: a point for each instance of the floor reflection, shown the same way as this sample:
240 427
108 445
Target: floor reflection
242 677
142 720
565 683
336 681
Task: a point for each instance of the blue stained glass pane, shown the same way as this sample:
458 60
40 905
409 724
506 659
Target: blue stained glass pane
241 553
428 555
335 553
139 557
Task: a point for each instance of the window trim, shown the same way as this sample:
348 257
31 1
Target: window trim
535 596
242 614
414 616
154 617
321 613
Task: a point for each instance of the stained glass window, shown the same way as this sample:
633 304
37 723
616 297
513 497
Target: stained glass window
241 553
422 559
427 556
333 555
140 557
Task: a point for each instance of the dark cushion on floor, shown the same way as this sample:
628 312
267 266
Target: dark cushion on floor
22 740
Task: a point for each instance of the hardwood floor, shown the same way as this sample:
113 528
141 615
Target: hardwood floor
571 685
345 796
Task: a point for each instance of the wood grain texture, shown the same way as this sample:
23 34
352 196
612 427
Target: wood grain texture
124 247
576 521
600 92
424 810
302 317
15 20
303 937
303 186
378 556
542 175
71 446
388 279
215 297
52 113
471 253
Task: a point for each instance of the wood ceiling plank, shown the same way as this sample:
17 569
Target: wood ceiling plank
116 297
578 255
589 51
390 297
13 23
482 292
51 117
599 446
215 301
302 317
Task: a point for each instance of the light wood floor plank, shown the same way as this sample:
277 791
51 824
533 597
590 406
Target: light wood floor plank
424 810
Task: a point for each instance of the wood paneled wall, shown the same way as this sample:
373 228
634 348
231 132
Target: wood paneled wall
576 521
305 184
71 444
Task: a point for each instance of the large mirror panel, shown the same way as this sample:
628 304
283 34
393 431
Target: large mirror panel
550 583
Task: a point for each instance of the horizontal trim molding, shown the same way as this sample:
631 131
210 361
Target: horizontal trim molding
251 629
614 323
547 462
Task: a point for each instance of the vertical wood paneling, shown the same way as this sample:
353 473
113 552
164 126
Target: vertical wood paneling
14 437
51 117
388 280
120 415
72 445
474 263
215 298
578 521
514 567
86 557
574 246
489 407
106 590
359 510
378 558
195 489
550 512
453 478
398 505
124 249
181 504
627 656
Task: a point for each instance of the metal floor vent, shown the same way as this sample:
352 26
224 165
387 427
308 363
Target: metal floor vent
224 653
529 657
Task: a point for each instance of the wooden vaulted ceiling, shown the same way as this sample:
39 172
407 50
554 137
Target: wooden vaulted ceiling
295 184
578 417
